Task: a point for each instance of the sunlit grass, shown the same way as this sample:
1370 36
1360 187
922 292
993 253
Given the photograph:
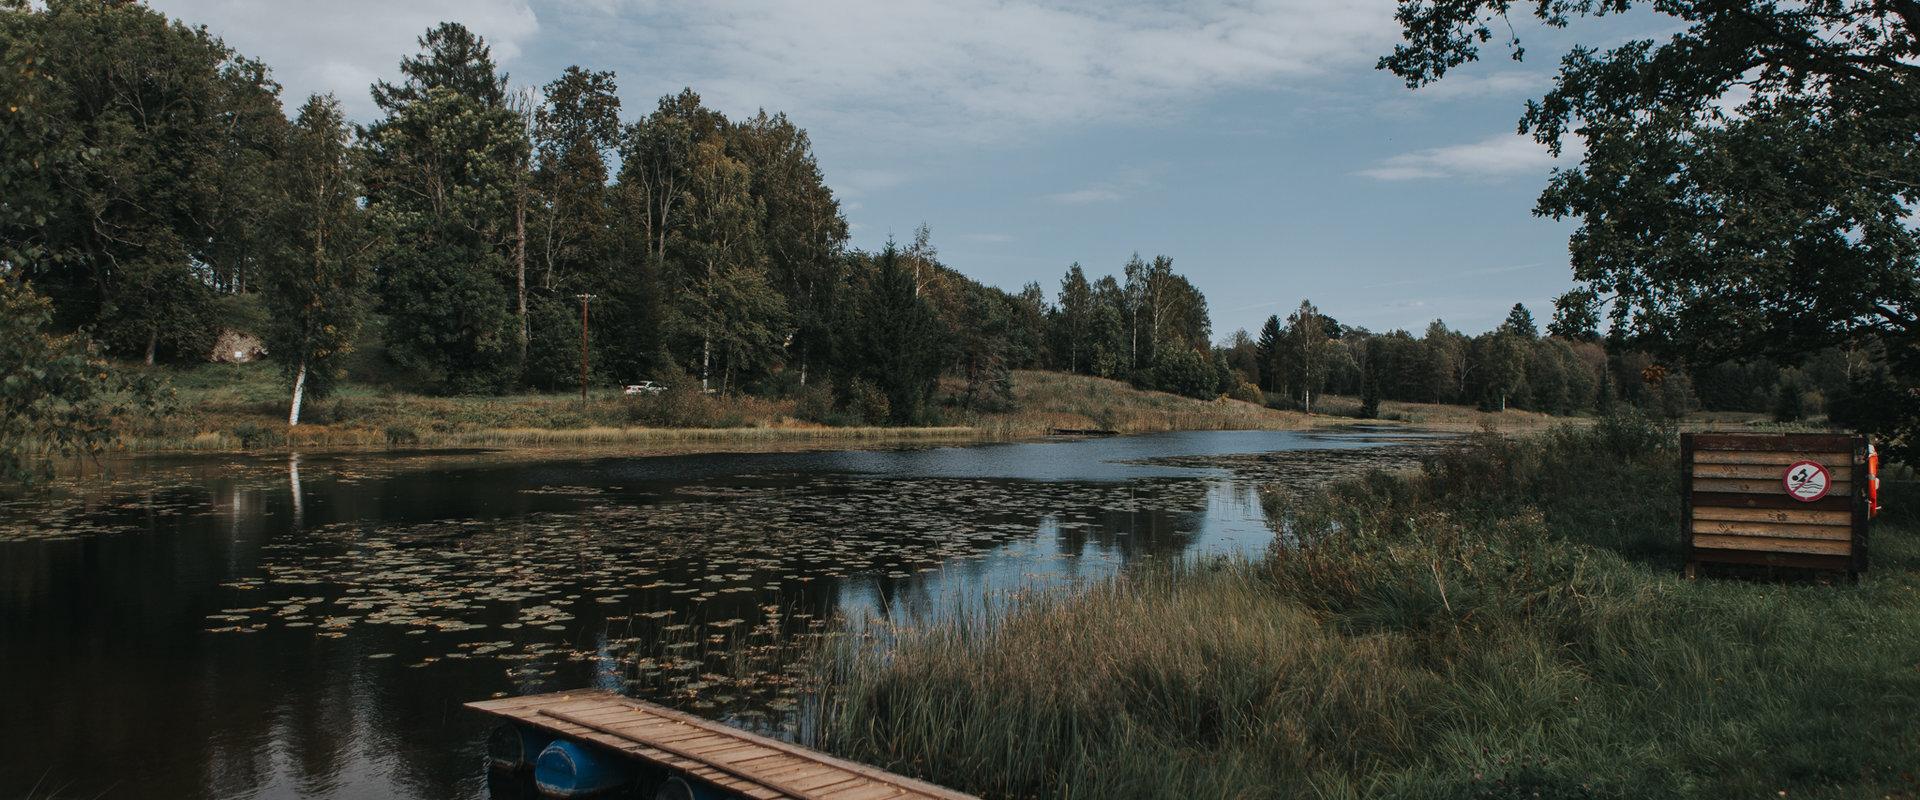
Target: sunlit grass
1510 624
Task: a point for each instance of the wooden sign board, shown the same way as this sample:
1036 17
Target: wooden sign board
1790 500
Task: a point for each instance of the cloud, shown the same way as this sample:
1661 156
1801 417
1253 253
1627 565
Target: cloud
861 182
1508 84
343 46
1493 157
1127 182
909 72
1104 193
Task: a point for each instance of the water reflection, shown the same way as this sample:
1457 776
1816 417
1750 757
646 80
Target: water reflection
308 627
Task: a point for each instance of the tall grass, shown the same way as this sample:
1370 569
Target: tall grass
1507 624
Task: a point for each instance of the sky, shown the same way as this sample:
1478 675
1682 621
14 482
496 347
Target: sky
1252 141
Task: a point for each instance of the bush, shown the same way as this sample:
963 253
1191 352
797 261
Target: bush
252 436
401 435
1184 371
682 405
814 403
867 403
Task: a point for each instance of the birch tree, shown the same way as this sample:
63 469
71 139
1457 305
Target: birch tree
316 288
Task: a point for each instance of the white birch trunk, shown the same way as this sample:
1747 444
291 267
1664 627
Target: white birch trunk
299 392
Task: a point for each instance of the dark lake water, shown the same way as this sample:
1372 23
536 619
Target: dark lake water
308 626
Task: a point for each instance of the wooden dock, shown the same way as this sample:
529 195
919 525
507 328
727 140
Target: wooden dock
723 757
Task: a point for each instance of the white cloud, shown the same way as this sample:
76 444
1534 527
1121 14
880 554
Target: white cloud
913 71
1510 84
1493 157
861 182
1127 181
343 46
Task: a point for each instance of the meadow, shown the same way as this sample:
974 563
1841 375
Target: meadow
1508 622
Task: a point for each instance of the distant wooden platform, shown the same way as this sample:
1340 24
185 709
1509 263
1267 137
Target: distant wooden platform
726 757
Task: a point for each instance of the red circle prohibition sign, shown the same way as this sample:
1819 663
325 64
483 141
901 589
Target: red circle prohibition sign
1808 484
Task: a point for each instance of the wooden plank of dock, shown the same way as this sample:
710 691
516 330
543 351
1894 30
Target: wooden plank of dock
744 763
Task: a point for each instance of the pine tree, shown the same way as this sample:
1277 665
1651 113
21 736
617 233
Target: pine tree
442 166
1268 346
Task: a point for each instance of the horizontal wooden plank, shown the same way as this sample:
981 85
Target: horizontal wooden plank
1776 529
739 761
1772 472
866 791
1778 458
1757 558
1822 442
1760 486
1799 515
1774 544
1776 500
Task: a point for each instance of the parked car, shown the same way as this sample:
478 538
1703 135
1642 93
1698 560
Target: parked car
644 387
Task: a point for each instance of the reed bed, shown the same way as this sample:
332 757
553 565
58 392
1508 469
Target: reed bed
1508 623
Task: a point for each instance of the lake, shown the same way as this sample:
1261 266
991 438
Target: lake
307 626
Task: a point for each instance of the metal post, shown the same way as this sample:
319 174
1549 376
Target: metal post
583 346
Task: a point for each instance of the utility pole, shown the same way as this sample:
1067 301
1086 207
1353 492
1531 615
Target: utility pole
584 298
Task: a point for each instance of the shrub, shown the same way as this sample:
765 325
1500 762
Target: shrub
1184 371
401 435
814 403
867 403
251 435
682 405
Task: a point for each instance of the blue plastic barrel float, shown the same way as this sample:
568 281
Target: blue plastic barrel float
678 788
516 747
566 769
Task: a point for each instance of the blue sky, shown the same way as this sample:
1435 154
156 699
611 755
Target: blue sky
1253 142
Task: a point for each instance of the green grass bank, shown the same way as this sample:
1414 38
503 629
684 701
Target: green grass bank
1509 623
221 407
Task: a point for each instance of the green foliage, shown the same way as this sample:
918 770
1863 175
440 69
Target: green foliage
1790 403
553 356
682 405
1794 121
1184 372
1302 356
128 217
1576 315
1268 346
1519 323
442 165
868 403
1376 356
57 397
316 289
1509 624
889 344
1073 328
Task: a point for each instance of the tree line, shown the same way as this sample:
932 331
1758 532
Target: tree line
154 185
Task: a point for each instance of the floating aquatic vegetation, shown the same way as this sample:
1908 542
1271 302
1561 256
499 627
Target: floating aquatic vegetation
705 595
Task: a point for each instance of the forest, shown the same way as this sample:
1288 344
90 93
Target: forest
159 194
